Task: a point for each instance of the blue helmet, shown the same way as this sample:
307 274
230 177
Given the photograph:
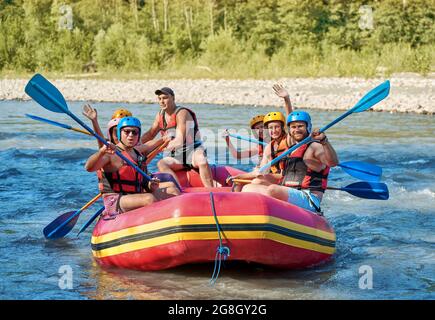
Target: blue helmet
300 116
127 122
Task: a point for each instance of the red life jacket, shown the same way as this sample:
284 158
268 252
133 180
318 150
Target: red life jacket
164 127
280 146
172 124
296 173
126 179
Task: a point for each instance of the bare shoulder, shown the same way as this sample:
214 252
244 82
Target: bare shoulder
183 114
111 163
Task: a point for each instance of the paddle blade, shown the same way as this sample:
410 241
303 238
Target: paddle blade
90 221
372 97
50 231
362 170
368 190
46 94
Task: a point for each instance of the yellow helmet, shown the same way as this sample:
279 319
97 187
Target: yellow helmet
274 116
255 120
121 113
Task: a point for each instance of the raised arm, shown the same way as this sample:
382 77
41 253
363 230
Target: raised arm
92 115
152 132
239 154
280 91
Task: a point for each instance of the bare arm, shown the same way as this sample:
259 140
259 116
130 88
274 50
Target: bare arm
324 152
280 91
238 154
182 117
152 132
92 115
149 146
99 159
254 174
267 156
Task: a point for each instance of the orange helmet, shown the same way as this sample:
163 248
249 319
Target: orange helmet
255 120
121 113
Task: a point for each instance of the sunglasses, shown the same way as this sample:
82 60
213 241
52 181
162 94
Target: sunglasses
133 132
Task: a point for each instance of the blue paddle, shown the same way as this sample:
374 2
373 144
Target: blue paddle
91 219
57 124
362 170
358 169
247 139
370 99
366 190
63 224
49 97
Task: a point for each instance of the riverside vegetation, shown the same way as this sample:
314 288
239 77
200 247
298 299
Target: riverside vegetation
217 39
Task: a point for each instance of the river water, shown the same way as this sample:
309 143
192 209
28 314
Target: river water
389 242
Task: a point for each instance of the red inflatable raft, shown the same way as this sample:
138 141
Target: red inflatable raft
184 229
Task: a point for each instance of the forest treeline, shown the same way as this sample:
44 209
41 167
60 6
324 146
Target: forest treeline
218 38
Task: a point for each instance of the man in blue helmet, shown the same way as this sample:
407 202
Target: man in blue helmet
123 188
305 171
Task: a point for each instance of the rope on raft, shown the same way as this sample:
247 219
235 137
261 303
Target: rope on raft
222 252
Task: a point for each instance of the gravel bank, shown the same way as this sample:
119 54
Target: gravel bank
409 92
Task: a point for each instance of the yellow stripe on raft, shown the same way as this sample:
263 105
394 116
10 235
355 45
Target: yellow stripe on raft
174 222
230 235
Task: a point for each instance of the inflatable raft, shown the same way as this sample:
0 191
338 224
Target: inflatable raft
189 229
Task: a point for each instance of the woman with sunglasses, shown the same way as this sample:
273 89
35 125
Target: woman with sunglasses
123 188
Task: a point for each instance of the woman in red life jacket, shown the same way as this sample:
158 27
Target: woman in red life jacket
186 149
123 188
305 171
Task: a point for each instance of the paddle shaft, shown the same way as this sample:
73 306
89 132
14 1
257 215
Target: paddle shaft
156 151
247 139
87 205
57 124
246 181
356 166
365 103
119 154
96 214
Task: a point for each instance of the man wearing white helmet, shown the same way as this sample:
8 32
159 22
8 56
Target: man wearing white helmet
305 171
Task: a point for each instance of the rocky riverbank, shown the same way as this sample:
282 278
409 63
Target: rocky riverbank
409 92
